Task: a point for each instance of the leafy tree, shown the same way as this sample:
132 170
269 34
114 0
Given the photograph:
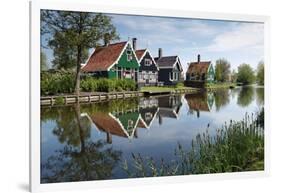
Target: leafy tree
246 74
79 30
222 70
233 76
43 61
65 54
260 73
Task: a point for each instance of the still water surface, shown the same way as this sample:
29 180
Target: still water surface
91 141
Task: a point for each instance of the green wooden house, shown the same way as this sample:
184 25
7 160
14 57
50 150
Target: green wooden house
117 60
200 71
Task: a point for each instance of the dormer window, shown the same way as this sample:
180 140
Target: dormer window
129 55
147 62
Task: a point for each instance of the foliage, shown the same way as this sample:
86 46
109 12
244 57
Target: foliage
76 30
65 54
237 146
233 76
245 74
179 85
260 73
43 61
57 83
90 84
59 100
219 85
222 70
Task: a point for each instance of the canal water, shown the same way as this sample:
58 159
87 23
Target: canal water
92 141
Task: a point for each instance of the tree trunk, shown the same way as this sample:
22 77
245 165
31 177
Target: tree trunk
78 114
78 71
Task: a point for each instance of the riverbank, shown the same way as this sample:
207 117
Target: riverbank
88 97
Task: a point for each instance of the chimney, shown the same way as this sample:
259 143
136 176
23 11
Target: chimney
106 39
135 44
160 52
198 58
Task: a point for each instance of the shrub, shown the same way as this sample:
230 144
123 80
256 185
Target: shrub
179 85
57 83
59 100
63 82
90 84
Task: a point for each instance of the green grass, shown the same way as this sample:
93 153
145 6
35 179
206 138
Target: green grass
220 85
162 88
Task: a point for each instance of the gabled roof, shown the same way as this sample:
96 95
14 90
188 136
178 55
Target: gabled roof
140 53
104 57
199 67
168 62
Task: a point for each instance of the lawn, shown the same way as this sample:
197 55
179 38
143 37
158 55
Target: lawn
220 85
162 88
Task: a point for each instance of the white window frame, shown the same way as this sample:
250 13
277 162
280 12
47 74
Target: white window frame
147 62
129 55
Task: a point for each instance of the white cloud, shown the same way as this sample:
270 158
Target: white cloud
241 36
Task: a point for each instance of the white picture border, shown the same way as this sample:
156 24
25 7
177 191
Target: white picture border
36 6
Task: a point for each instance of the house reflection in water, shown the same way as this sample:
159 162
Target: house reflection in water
200 102
122 124
148 109
169 107
126 122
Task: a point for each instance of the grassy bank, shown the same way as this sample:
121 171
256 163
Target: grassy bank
237 146
220 85
163 88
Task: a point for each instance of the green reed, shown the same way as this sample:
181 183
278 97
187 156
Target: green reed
236 146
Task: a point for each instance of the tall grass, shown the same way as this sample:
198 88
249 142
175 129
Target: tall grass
237 146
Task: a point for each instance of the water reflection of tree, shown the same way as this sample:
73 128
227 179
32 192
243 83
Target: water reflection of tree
260 96
80 159
221 98
245 96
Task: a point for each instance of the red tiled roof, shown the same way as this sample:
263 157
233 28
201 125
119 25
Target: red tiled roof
104 57
140 53
198 67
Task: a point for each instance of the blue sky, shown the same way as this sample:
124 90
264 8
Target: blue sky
238 42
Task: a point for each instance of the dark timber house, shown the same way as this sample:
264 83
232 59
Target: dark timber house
148 71
170 69
117 60
200 71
